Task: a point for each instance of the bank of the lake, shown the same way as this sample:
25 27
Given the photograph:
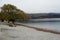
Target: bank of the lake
24 33
49 23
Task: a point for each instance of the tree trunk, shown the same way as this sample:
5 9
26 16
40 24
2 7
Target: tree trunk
2 20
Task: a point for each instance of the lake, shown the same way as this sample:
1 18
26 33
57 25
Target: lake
52 23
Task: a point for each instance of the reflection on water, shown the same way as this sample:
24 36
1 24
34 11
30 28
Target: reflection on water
45 20
46 24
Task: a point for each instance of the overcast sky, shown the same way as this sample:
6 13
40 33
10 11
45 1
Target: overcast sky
35 6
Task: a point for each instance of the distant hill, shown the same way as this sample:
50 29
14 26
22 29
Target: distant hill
44 15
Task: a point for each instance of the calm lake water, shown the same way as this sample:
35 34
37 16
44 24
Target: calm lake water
55 24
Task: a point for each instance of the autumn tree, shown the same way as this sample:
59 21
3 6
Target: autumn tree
11 13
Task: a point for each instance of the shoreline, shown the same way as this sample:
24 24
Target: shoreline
35 28
39 29
24 33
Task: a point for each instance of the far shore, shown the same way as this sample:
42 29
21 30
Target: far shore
38 29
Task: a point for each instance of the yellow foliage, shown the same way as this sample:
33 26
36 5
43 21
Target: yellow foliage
11 12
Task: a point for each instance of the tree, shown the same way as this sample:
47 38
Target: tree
11 13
